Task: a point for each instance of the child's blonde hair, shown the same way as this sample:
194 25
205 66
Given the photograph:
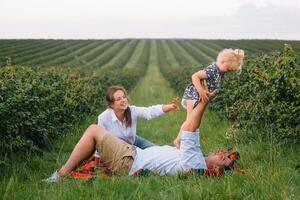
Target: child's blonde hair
233 57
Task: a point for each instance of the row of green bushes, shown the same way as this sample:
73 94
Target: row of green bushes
265 95
37 106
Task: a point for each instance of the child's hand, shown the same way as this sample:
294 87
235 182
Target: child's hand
175 103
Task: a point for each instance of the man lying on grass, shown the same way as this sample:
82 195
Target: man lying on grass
121 157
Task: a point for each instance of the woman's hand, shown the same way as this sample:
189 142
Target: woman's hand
175 103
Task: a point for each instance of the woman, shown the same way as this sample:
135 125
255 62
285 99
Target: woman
120 118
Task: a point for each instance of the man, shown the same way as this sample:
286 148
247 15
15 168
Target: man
121 157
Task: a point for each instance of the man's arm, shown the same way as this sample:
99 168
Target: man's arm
194 120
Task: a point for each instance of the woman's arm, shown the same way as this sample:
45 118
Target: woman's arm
152 112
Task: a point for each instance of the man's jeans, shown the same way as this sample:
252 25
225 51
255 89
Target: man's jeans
142 142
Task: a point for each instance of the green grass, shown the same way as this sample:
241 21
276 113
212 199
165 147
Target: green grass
270 168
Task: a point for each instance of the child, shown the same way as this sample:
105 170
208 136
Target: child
227 60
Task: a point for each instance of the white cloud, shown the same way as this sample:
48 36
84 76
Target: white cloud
231 19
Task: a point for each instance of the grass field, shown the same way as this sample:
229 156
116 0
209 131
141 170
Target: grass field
269 167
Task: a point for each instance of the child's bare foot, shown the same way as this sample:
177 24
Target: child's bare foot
176 143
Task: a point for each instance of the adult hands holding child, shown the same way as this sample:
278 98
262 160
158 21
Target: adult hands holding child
210 95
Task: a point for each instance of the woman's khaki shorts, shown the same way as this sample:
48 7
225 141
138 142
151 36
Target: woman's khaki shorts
116 154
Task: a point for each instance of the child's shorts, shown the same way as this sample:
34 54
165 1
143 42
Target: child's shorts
190 93
183 102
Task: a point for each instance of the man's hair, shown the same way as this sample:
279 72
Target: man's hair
215 170
219 170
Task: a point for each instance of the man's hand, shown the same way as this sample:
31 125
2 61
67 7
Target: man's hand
210 95
204 95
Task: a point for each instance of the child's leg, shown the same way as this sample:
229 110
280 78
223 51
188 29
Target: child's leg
189 108
83 149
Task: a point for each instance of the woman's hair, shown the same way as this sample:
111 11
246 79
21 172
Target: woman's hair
233 57
110 100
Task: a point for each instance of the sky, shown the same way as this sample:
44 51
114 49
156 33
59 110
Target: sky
118 19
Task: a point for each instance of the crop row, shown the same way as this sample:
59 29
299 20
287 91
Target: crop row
90 54
38 106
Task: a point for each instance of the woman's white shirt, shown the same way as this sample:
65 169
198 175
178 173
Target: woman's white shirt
111 123
108 120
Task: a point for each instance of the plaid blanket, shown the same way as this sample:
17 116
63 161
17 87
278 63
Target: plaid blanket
88 171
